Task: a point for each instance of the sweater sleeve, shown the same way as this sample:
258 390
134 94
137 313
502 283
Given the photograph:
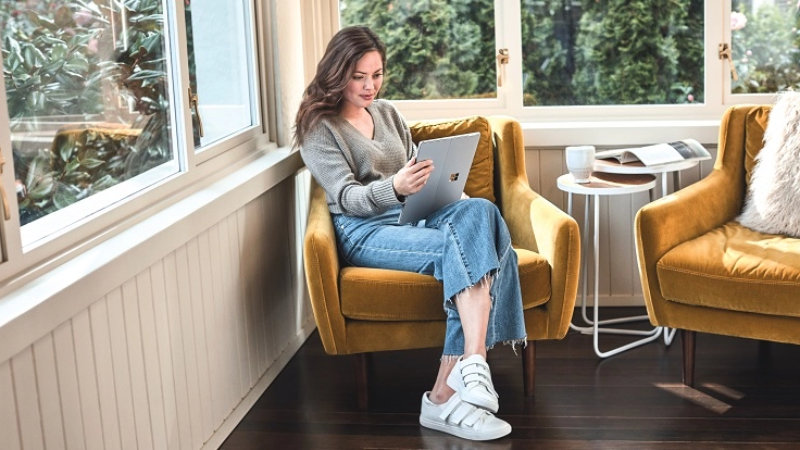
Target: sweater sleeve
332 165
403 131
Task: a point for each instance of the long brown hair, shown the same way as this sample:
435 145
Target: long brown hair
323 94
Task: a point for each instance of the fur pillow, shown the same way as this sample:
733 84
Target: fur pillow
773 197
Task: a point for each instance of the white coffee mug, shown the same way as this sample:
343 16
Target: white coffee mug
580 160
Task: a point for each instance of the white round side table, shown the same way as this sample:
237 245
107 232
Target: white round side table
636 167
612 166
604 184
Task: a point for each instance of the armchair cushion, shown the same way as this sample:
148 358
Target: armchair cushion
411 296
480 182
733 267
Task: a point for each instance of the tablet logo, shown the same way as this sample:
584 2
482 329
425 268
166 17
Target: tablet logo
453 177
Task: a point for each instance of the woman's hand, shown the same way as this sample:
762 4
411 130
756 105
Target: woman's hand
412 177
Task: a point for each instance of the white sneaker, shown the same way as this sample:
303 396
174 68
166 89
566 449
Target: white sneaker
472 379
461 419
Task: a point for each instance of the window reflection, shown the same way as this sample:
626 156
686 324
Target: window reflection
87 93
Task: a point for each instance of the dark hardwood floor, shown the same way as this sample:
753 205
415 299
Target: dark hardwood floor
747 396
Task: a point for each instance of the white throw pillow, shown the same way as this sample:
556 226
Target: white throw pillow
773 198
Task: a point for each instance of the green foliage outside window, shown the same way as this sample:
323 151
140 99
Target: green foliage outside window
547 49
766 46
49 61
435 48
628 53
575 52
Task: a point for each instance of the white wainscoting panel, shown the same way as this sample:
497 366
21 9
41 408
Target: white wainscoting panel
173 357
619 273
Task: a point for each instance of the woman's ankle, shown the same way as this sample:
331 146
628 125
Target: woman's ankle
441 395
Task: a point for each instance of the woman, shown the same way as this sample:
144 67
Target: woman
360 151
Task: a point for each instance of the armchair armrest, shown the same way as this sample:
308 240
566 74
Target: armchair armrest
555 236
321 263
538 225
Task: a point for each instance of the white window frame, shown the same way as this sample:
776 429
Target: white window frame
730 98
196 169
435 109
559 126
213 149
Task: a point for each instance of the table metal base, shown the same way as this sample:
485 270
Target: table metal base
594 325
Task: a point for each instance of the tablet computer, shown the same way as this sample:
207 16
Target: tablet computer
452 158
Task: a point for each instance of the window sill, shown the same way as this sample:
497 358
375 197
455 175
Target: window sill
31 307
617 133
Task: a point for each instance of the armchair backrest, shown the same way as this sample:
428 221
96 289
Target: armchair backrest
480 182
755 125
741 137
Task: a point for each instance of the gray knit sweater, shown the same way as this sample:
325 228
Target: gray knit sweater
355 171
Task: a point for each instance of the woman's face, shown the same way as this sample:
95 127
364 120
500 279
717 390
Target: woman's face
365 82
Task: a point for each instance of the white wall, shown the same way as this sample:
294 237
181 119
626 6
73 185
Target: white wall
164 335
175 354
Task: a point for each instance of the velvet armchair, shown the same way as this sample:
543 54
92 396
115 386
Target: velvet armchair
701 270
361 310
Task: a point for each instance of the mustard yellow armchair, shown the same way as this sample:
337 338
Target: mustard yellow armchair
360 310
703 271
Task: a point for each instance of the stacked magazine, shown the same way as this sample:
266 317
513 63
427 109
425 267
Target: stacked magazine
653 155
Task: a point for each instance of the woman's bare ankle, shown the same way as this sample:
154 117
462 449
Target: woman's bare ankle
439 396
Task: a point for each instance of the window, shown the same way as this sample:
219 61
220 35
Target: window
609 72
611 53
220 69
765 37
437 49
88 94
102 103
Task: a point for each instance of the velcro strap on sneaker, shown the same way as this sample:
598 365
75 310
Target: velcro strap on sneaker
478 373
462 413
449 409
474 417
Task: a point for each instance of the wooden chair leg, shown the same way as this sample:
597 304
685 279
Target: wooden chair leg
528 368
362 380
688 340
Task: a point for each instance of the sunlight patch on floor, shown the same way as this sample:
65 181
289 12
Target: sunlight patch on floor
732 394
697 397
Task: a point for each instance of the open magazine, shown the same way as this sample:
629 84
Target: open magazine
653 155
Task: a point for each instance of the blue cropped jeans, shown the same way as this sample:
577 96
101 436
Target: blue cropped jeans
461 245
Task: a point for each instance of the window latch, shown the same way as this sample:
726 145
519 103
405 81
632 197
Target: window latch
724 52
6 208
193 101
502 60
